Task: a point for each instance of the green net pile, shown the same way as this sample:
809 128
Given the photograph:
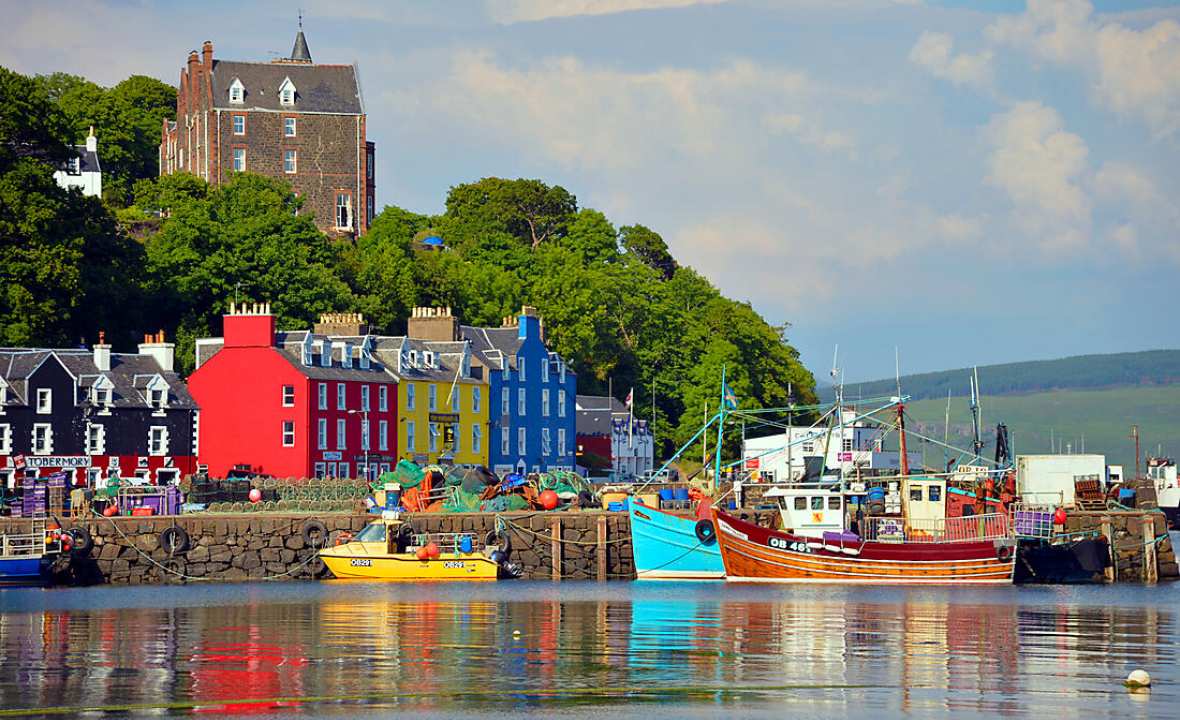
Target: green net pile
566 484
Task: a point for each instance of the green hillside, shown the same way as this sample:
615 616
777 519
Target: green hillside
1102 417
1151 367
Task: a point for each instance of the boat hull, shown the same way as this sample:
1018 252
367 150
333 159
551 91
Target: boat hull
357 563
755 554
22 571
666 547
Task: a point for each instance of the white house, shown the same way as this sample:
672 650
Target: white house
82 170
855 445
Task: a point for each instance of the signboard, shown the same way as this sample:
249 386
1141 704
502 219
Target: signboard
54 461
114 462
449 434
444 417
753 463
333 456
19 462
844 457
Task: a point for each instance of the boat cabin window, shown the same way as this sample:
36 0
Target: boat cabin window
915 493
817 503
372 533
833 503
934 493
800 503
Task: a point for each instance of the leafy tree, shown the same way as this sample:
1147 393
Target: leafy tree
593 237
529 210
649 247
30 125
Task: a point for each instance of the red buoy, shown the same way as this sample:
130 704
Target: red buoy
1059 516
423 553
548 499
432 550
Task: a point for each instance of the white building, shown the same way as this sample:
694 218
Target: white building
82 170
855 445
607 429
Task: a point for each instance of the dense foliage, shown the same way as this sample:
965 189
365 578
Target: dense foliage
614 301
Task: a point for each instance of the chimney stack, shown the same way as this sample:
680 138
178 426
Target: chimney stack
249 325
163 352
91 141
102 353
433 323
207 54
341 324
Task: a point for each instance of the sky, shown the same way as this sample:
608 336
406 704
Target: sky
967 182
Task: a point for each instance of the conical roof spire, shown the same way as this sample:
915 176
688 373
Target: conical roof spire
300 53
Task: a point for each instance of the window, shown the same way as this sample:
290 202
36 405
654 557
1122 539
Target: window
343 211
5 439
934 493
476 399
521 441
239 124
322 434
383 435
383 398
410 396
157 440
455 438
340 403
364 397
546 446
289 161
453 399
323 396
520 402
916 493
288 396
544 402
346 355
158 397
287 92
808 446
96 439
289 127
432 393
846 445
561 370
239 159
817 503
433 437
341 437
288 433
44 401
520 366
476 439
365 435
237 92
800 503
320 470
833 503
505 442
411 443
561 446
369 216
42 439
545 370
99 396
505 400
325 355
343 471
561 403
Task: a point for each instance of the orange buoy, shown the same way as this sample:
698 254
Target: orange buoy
1059 516
423 553
548 499
110 511
432 550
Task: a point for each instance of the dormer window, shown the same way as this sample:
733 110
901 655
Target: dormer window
346 355
159 398
413 358
100 396
287 92
237 92
428 358
364 360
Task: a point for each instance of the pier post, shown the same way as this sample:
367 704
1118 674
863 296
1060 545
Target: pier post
601 548
1112 572
555 547
1150 567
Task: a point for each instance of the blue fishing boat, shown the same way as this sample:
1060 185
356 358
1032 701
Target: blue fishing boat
670 547
25 558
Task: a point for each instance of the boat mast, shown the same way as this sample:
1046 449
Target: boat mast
720 429
905 457
977 444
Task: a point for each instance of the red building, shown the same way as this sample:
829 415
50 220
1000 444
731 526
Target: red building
294 404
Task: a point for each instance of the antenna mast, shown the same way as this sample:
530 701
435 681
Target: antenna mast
977 444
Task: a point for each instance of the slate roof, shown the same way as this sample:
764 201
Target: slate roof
289 344
318 88
130 374
594 413
87 161
485 341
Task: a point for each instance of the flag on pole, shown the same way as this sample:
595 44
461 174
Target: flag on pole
630 397
729 397
631 418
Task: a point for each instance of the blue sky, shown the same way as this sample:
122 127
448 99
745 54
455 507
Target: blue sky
973 182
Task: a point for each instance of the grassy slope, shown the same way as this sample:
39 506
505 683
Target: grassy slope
1104 417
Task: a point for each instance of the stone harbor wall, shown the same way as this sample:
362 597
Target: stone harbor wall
134 550
1141 548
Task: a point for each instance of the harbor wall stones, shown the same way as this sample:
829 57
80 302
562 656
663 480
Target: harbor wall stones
234 547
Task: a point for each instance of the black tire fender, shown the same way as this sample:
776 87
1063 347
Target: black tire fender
174 540
500 538
706 533
315 533
1004 553
81 543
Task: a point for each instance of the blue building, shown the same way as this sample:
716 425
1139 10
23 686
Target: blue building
532 419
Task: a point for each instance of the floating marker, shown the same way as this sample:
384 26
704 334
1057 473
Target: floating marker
1138 679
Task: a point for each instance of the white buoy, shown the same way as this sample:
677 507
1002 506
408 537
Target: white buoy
1138 679
516 633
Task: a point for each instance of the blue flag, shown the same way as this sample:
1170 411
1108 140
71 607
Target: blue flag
728 395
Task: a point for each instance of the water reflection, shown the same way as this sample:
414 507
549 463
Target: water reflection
319 649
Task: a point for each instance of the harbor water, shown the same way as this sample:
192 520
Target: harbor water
587 650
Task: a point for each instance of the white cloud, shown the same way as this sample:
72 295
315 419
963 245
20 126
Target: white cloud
1039 165
809 132
513 11
934 53
1121 181
1134 73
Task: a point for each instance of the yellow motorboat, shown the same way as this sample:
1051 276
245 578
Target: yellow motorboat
389 549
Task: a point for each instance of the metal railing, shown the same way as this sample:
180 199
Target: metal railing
1032 520
974 528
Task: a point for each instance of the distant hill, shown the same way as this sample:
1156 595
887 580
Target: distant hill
1081 372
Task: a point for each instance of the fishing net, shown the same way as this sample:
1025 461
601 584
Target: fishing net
460 500
505 503
566 484
407 474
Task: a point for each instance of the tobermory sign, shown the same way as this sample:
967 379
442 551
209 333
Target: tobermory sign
444 417
57 461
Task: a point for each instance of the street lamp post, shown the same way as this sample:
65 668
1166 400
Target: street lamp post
366 438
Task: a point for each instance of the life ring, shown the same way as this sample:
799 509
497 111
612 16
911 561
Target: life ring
1004 553
500 538
174 540
81 543
705 531
315 533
